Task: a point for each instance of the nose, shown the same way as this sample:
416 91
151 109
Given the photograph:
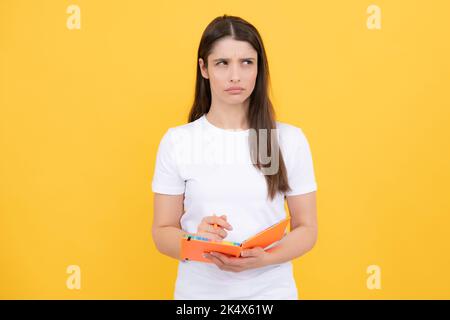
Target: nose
235 74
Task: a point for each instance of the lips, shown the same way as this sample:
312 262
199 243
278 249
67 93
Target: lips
234 89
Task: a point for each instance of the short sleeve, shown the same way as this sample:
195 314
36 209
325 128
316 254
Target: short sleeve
300 169
166 177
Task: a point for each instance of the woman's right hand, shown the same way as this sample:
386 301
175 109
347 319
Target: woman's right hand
207 229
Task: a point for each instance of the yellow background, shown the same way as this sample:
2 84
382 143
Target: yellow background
82 113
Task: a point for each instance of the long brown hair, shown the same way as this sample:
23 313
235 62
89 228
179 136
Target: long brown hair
260 114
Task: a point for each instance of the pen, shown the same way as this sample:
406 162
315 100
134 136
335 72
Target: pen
215 224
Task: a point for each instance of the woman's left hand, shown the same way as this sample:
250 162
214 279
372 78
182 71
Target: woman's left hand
250 259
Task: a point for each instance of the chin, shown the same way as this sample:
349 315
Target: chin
236 101
236 98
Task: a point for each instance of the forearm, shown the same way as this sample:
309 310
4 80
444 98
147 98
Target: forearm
168 240
295 244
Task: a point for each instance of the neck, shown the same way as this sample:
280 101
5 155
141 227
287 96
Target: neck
227 116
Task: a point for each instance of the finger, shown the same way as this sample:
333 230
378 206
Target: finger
220 221
227 260
215 224
208 228
204 227
218 257
218 231
217 261
224 266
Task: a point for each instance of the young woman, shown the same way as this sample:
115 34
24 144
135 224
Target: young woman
227 172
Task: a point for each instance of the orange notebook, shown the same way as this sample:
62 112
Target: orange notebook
193 247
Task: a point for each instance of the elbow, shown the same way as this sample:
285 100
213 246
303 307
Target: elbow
156 238
311 230
314 236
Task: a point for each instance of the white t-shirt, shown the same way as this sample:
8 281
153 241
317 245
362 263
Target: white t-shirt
213 168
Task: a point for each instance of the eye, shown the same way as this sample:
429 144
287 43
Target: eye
220 62
249 61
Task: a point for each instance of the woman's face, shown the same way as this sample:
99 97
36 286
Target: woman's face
231 63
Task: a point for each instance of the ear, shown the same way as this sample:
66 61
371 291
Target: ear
203 68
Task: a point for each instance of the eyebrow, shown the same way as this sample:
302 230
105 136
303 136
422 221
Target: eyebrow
226 59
